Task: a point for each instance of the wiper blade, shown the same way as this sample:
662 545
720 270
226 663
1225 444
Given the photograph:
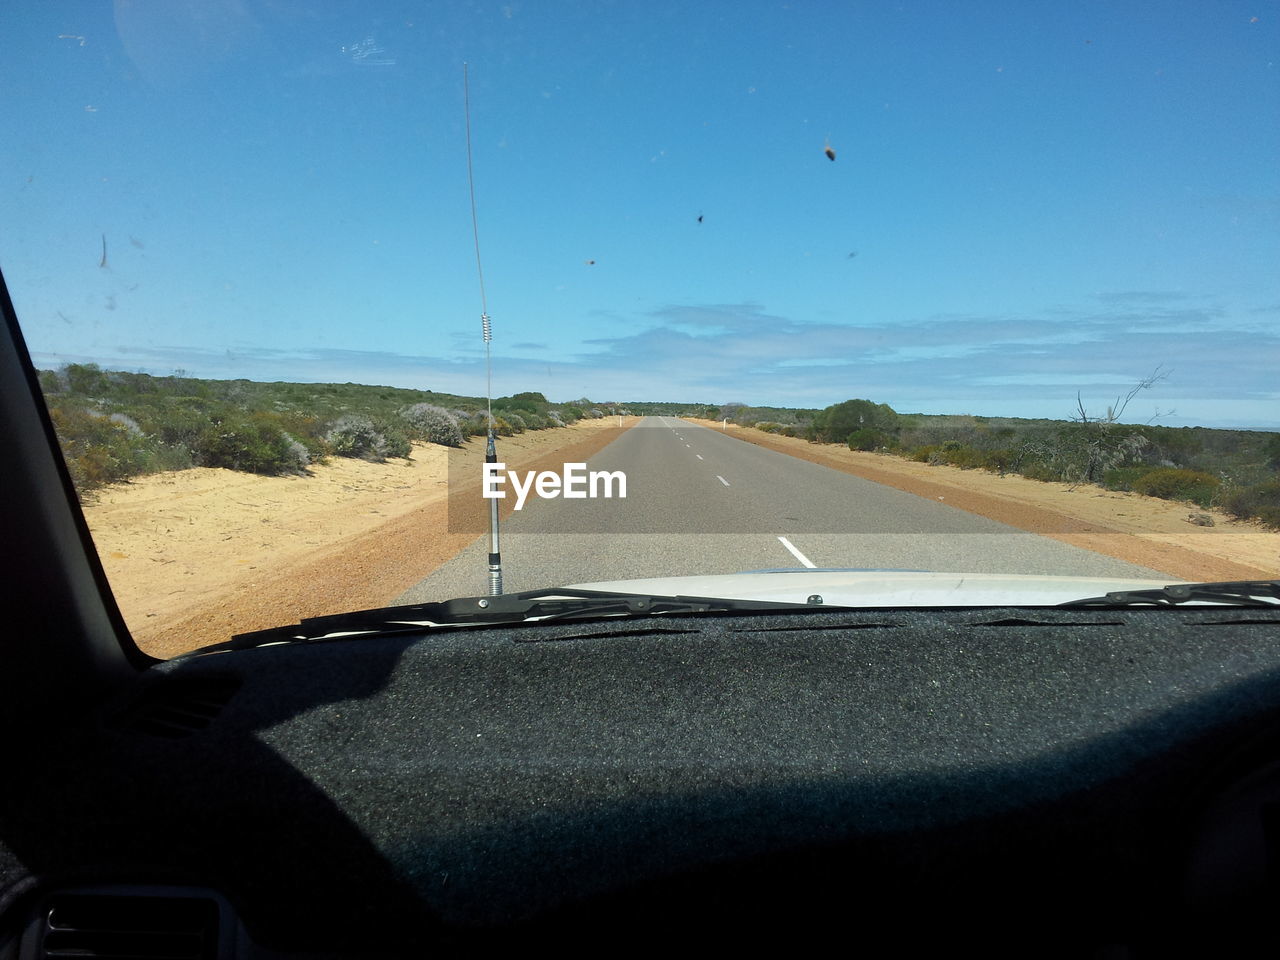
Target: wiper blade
532 606
1241 593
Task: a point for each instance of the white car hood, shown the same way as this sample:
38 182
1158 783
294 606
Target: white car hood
882 588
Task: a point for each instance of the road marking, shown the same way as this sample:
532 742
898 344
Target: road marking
722 479
698 455
938 498
797 554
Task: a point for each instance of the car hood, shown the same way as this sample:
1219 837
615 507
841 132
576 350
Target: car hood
882 588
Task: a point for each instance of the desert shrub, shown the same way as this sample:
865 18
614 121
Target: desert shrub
253 442
86 378
296 453
397 443
571 414
966 457
432 424
307 429
353 435
1175 483
1039 470
501 428
1123 478
1000 460
178 425
166 456
1271 451
1259 500
515 424
922 454
954 453
130 425
52 381
866 438
534 421
97 448
475 425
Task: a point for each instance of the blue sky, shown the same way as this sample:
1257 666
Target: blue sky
1028 199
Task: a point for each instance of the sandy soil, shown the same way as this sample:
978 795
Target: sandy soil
1143 530
196 555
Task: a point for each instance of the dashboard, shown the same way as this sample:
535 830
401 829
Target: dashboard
1096 780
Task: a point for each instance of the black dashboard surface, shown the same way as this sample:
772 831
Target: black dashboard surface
744 777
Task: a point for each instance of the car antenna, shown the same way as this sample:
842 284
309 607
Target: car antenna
490 450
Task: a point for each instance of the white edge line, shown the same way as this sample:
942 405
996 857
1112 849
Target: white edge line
797 554
722 479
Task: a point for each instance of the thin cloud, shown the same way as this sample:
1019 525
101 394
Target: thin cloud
1027 365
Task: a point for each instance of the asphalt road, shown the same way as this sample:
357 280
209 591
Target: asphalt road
702 502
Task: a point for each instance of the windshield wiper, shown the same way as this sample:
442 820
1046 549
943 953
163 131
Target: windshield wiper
531 606
1241 593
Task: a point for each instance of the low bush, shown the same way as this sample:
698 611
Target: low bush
254 443
1258 501
1175 483
1123 478
353 435
99 449
867 438
965 457
972 458
432 424
1039 470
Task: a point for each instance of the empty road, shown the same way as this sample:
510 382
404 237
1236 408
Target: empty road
702 502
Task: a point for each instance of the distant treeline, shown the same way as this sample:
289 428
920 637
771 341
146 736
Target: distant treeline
113 425
1236 470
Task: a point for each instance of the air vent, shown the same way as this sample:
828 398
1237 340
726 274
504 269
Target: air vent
137 927
180 707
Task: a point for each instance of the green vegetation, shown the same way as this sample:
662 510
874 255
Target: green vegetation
1174 483
841 422
1261 500
1237 470
113 425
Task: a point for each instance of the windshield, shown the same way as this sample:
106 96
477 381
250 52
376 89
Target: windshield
317 292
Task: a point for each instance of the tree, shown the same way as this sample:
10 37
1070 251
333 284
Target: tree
1097 442
839 421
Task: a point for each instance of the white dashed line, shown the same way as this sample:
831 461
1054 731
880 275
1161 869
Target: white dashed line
796 553
698 455
722 479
